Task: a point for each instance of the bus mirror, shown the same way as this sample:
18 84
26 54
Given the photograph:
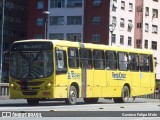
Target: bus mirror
59 56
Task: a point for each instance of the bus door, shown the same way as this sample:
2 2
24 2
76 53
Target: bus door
99 75
145 75
86 72
61 77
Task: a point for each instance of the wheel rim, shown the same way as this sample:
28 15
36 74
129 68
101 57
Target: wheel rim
126 95
72 96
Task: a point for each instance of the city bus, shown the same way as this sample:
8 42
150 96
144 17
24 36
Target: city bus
63 70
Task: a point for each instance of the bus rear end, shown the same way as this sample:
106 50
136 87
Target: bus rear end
31 71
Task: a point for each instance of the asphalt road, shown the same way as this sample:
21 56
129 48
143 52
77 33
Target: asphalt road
140 109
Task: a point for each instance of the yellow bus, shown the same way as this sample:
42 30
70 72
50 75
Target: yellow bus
62 70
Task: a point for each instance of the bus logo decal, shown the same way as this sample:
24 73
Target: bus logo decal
119 76
73 75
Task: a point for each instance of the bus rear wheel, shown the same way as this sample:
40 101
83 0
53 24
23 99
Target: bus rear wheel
125 96
72 99
90 100
32 102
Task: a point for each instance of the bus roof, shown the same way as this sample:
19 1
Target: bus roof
89 45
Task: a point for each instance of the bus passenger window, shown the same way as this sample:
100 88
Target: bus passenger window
98 58
111 60
85 58
133 62
73 59
144 63
122 61
61 62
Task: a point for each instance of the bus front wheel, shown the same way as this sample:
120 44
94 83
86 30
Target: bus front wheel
125 96
72 99
33 102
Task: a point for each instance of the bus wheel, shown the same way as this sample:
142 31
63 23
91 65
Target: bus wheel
125 96
72 96
33 102
90 100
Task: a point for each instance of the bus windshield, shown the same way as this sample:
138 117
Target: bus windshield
31 65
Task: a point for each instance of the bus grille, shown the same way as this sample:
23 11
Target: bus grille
30 93
32 83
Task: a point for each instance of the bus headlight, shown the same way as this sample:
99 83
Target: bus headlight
48 85
12 86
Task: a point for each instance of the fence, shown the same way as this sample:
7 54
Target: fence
156 95
4 90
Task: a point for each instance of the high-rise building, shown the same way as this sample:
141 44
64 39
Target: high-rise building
15 27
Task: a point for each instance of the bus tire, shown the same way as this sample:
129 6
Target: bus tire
33 102
72 99
90 100
125 96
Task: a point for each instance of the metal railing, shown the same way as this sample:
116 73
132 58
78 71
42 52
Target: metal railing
4 90
155 95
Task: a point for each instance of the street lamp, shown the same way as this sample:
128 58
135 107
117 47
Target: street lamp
46 21
1 42
111 29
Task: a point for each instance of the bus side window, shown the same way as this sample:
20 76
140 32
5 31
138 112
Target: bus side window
111 60
73 58
85 58
61 61
133 62
98 58
144 62
151 63
123 61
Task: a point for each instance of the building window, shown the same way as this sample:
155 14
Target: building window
130 7
96 20
74 20
138 43
113 38
146 44
154 45
96 3
155 13
129 41
74 37
38 36
139 9
122 5
147 11
74 3
39 22
114 20
146 27
59 36
155 0
56 20
114 6
139 25
130 25
96 38
121 39
154 29
122 22
57 3
40 4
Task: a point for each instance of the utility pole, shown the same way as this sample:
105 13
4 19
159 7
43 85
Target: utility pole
1 41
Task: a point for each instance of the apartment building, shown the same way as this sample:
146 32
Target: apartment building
66 19
151 30
122 15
